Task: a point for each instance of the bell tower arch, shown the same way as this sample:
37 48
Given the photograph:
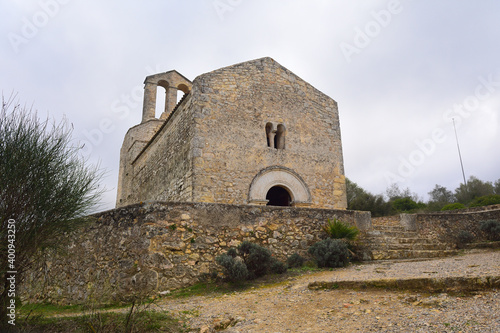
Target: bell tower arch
172 81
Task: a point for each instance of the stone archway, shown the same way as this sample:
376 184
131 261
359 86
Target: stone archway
279 177
278 196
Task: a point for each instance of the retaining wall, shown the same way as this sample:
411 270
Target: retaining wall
151 248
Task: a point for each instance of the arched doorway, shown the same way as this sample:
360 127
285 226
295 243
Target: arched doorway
278 196
297 192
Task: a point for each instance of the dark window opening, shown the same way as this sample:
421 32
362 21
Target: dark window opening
269 134
275 137
278 196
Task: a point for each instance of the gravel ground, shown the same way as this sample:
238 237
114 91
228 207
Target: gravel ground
291 307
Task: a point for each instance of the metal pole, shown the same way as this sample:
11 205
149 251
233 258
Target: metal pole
459 155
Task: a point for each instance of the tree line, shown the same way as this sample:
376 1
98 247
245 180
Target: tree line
396 200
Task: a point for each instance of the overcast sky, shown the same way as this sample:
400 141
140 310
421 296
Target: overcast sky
399 70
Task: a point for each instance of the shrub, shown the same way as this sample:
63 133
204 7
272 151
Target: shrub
249 261
330 253
464 237
45 186
405 205
453 206
234 269
278 267
491 228
340 230
257 259
295 261
485 200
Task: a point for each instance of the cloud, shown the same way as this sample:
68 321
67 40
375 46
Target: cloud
88 62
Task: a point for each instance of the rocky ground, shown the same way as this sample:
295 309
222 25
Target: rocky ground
292 306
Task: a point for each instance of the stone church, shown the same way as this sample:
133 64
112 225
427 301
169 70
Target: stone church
253 133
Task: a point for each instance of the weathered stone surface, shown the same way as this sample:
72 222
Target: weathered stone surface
141 249
239 131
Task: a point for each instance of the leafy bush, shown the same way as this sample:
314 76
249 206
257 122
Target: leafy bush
249 261
491 228
234 269
330 253
278 267
406 205
257 259
485 200
453 206
464 237
295 261
340 230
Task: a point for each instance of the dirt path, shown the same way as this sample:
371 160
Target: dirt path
291 307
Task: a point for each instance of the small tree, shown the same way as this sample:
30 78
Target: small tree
45 189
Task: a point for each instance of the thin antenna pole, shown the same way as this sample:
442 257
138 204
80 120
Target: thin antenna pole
459 155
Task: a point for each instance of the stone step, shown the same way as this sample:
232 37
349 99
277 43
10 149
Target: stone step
388 227
417 247
399 234
408 246
409 254
396 240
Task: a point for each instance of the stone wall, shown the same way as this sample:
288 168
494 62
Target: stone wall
150 248
164 169
386 220
445 226
235 104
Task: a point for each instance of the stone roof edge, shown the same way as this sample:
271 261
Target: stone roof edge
263 59
170 71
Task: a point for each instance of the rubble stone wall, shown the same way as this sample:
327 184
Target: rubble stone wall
149 248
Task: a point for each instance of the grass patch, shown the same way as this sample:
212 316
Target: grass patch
130 322
209 288
47 310
49 318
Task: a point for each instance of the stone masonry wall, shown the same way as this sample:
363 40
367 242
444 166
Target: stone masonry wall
446 226
150 248
163 171
235 103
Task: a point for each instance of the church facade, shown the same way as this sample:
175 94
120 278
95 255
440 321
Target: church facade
253 133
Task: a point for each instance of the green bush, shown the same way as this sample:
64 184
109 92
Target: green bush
404 205
234 269
340 230
330 253
257 259
453 206
485 200
249 261
464 237
278 267
295 261
491 228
